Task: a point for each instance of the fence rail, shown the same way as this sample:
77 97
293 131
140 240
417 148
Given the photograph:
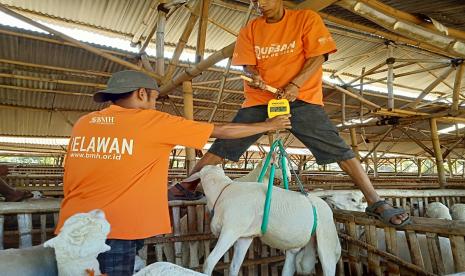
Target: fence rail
368 246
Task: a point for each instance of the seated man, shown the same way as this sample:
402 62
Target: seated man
9 193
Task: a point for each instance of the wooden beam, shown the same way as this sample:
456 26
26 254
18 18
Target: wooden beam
392 23
455 33
77 42
189 114
438 153
80 83
182 43
430 88
417 141
55 68
191 73
202 33
353 95
377 144
457 88
353 144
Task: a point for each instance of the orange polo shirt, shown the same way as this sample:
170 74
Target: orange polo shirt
279 51
117 161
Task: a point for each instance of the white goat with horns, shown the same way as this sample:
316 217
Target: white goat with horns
238 212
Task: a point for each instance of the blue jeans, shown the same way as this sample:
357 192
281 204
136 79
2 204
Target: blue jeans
119 261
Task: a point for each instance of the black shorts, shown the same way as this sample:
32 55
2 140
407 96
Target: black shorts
310 124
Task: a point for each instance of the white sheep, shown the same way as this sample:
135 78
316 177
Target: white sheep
346 200
81 239
31 261
238 211
437 210
458 211
168 269
352 201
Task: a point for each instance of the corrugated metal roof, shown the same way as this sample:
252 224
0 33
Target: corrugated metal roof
127 16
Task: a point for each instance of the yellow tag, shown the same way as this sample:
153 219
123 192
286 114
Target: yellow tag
278 107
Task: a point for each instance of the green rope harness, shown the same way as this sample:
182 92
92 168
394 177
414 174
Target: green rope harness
282 156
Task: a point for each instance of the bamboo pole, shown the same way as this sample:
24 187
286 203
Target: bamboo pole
73 71
353 95
418 142
182 43
214 22
189 114
191 73
390 76
430 88
377 144
438 153
202 33
455 33
220 92
77 42
15 76
390 36
406 28
160 42
408 73
457 88
353 144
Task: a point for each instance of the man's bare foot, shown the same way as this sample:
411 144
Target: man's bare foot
18 196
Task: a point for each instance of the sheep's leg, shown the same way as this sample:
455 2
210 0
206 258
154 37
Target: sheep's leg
240 249
289 264
226 240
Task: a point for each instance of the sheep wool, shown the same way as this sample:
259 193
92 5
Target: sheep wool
79 242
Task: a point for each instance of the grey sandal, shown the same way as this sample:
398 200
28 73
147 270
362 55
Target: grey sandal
388 214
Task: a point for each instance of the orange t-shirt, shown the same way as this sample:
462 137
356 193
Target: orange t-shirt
279 51
117 161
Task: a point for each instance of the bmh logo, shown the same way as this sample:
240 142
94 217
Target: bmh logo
102 120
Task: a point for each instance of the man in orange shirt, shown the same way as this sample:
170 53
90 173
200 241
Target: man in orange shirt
286 49
117 161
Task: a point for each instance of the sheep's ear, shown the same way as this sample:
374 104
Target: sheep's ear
193 177
51 243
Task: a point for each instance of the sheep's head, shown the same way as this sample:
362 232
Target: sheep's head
82 235
352 201
458 211
437 210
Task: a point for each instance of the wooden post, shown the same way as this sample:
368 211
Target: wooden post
353 140
160 40
457 87
375 163
390 77
182 42
202 33
438 153
419 163
189 114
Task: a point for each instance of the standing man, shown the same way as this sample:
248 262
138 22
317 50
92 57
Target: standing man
117 161
286 49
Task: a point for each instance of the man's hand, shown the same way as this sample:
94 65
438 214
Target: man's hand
257 82
290 92
280 122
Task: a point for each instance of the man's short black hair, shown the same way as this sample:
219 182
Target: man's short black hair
115 97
